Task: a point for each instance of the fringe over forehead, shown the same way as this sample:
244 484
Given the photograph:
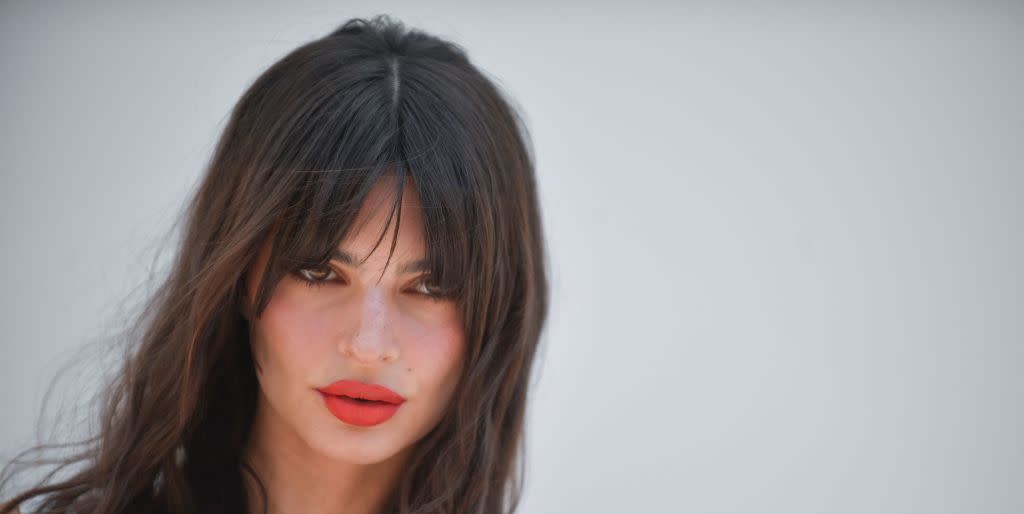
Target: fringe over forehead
322 126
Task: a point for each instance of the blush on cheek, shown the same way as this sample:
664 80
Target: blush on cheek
441 356
287 336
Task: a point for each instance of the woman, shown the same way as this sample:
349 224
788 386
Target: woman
351 320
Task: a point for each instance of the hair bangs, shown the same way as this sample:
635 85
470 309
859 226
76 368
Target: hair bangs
333 148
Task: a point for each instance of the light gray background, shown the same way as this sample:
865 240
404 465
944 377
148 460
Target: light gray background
786 239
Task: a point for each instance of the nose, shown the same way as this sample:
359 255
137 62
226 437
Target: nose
373 339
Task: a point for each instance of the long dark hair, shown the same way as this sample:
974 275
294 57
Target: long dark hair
303 147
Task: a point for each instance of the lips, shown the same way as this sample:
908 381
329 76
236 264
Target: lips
360 404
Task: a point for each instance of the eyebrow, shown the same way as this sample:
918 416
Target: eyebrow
409 267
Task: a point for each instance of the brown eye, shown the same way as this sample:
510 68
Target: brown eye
316 276
427 288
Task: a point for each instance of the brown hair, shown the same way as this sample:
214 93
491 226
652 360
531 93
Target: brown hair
303 147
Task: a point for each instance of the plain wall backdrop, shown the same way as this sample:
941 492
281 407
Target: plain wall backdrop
786 239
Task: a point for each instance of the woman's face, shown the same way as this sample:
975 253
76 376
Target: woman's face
360 322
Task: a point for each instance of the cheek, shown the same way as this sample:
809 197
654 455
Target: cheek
435 353
293 335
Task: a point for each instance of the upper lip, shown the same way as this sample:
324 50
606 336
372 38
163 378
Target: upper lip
356 389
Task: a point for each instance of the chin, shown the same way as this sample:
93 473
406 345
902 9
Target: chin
358 446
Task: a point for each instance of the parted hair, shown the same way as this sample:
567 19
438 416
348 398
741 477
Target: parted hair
301 150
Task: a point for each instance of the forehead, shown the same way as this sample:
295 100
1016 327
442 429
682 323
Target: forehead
374 226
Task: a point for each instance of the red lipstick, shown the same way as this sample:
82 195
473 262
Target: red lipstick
360 404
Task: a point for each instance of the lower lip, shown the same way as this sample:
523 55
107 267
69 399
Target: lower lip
361 414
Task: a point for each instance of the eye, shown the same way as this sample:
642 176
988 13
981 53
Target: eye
426 287
316 276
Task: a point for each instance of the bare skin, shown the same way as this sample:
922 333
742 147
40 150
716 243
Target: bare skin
298 480
371 321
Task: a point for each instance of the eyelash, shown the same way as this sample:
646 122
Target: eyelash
315 283
299 273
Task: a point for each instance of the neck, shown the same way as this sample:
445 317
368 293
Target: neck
297 479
